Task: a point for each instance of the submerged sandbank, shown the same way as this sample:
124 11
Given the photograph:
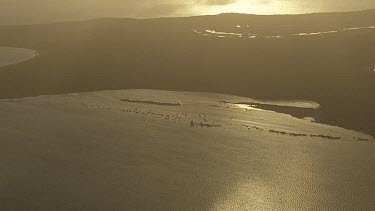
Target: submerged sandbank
10 55
98 152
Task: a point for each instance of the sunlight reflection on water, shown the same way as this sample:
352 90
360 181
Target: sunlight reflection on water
248 107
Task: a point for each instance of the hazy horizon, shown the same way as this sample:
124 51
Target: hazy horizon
211 112
43 11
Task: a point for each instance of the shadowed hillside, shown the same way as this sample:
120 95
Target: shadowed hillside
267 57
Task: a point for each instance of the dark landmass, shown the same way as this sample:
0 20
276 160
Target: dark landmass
335 70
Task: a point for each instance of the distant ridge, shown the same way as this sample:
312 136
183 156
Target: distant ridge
229 14
304 57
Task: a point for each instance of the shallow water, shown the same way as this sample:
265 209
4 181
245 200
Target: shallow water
358 28
315 33
9 55
97 151
214 33
223 33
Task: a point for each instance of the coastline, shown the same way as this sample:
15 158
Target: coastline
12 55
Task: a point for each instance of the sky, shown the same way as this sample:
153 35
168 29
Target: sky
44 11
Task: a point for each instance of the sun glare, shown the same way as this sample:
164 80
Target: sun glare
252 7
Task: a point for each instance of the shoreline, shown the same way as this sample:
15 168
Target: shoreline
339 77
292 107
195 156
12 55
